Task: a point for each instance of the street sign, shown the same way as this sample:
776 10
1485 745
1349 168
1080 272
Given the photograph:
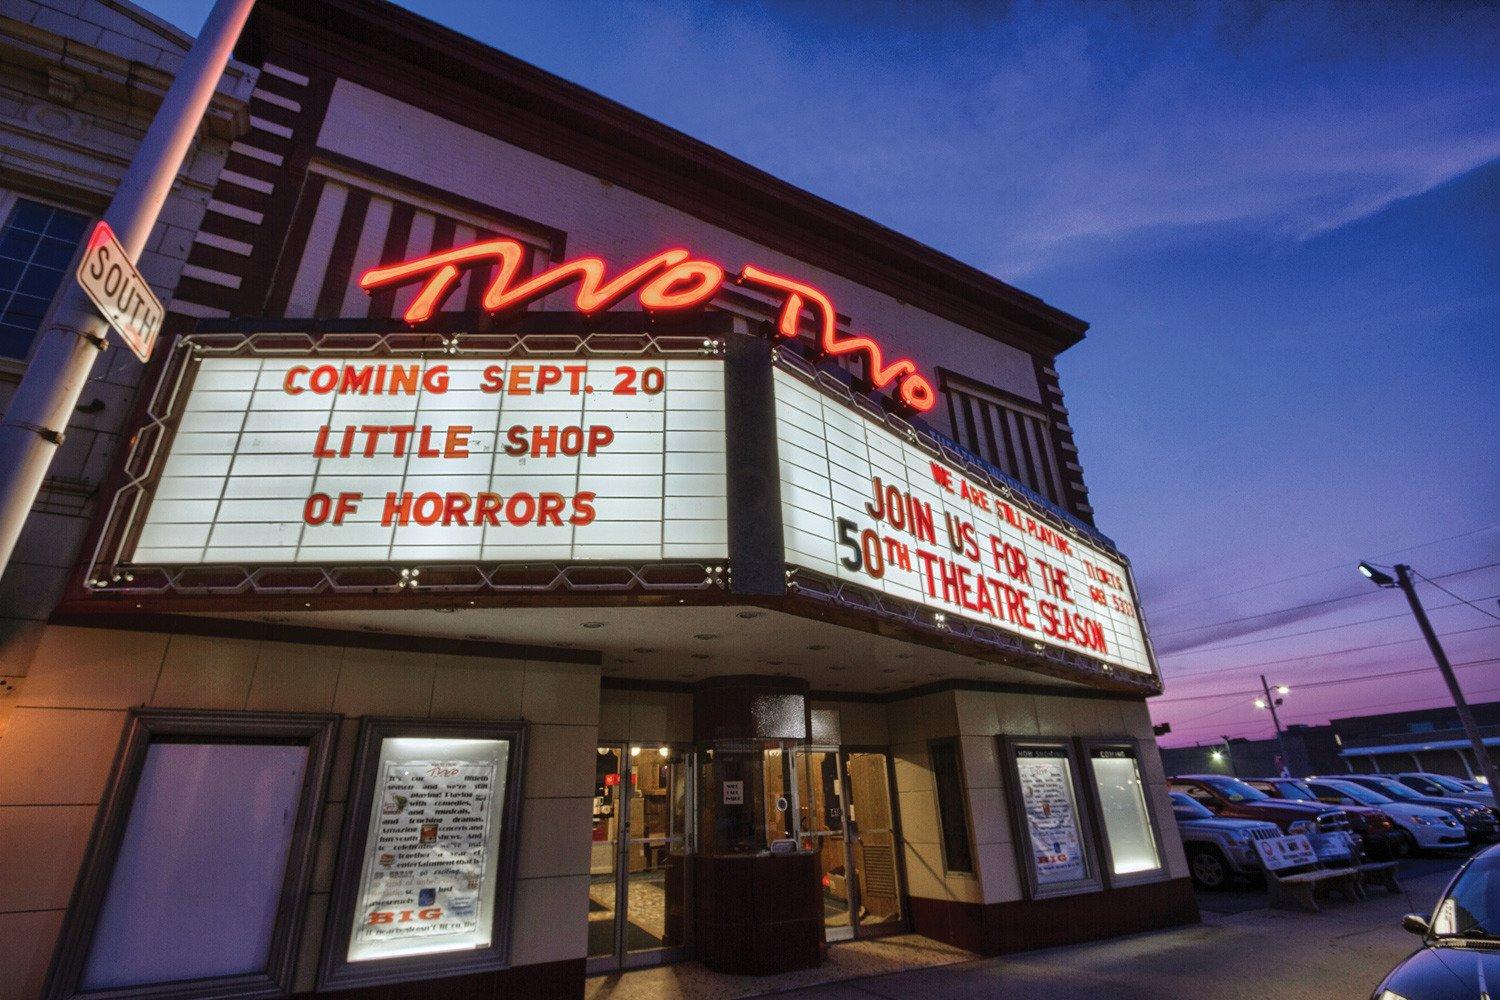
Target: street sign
111 281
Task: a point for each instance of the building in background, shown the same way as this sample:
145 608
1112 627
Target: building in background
550 545
1428 739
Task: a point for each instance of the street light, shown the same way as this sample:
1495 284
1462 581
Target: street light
1271 703
1465 717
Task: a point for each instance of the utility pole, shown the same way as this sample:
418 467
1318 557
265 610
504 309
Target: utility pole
1286 760
1465 717
73 333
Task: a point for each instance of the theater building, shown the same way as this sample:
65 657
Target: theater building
548 546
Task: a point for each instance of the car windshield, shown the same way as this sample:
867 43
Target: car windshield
1471 910
1235 790
1394 789
1185 807
1446 783
1359 793
1296 790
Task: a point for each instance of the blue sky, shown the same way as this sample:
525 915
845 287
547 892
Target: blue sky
1282 220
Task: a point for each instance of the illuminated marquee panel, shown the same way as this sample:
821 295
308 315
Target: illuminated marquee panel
862 505
333 460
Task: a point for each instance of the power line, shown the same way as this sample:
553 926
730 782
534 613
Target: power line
1329 652
1325 628
1303 685
1464 600
1326 569
1311 604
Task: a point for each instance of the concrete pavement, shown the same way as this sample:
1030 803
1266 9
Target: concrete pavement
1252 954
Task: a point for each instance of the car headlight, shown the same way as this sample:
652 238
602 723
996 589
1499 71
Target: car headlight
1426 820
1239 836
1469 812
1303 826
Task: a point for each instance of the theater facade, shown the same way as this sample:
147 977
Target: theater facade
548 546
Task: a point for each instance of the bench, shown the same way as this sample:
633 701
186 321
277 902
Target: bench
1381 873
1297 888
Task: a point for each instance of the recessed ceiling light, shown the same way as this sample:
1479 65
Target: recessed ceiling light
817 646
643 649
748 614
593 624
774 663
887 670
701 656
705 636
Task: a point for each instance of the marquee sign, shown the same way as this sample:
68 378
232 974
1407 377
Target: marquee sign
331 460
671 280
863 505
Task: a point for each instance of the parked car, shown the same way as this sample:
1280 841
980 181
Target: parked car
1218 849
1325 827
1460 954
1420 826
1480 822
1381 839
1425 783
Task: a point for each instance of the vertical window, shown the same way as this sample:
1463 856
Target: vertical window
1048 807
196 881
427 873
36 245
1007 433
1129 836
947 774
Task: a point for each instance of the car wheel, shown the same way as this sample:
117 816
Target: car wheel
1208 867
1408 845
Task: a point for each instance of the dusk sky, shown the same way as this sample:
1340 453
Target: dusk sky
1282 222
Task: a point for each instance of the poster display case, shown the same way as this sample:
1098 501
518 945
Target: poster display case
1129 843
427 871
1054 832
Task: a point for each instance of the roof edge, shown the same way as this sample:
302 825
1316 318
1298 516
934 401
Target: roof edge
635 151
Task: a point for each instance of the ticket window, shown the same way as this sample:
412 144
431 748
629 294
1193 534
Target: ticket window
745 791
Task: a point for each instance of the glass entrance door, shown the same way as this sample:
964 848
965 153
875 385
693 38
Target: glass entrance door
846 818
639 883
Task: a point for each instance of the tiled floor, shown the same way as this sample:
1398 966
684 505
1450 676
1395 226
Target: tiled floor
848 960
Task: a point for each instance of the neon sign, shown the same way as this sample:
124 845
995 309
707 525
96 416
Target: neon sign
668 281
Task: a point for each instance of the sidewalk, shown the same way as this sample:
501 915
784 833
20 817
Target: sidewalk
1252 954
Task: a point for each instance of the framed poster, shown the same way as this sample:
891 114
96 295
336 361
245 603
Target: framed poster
1128 838
426 877
1053 832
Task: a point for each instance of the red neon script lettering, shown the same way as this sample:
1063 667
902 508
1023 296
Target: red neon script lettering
670 280
915 391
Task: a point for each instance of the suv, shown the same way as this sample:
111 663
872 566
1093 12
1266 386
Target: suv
1325 827
1379 835
1479 821
1218 849
1442 786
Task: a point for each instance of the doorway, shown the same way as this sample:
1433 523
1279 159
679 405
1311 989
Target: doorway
638 875
844 805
